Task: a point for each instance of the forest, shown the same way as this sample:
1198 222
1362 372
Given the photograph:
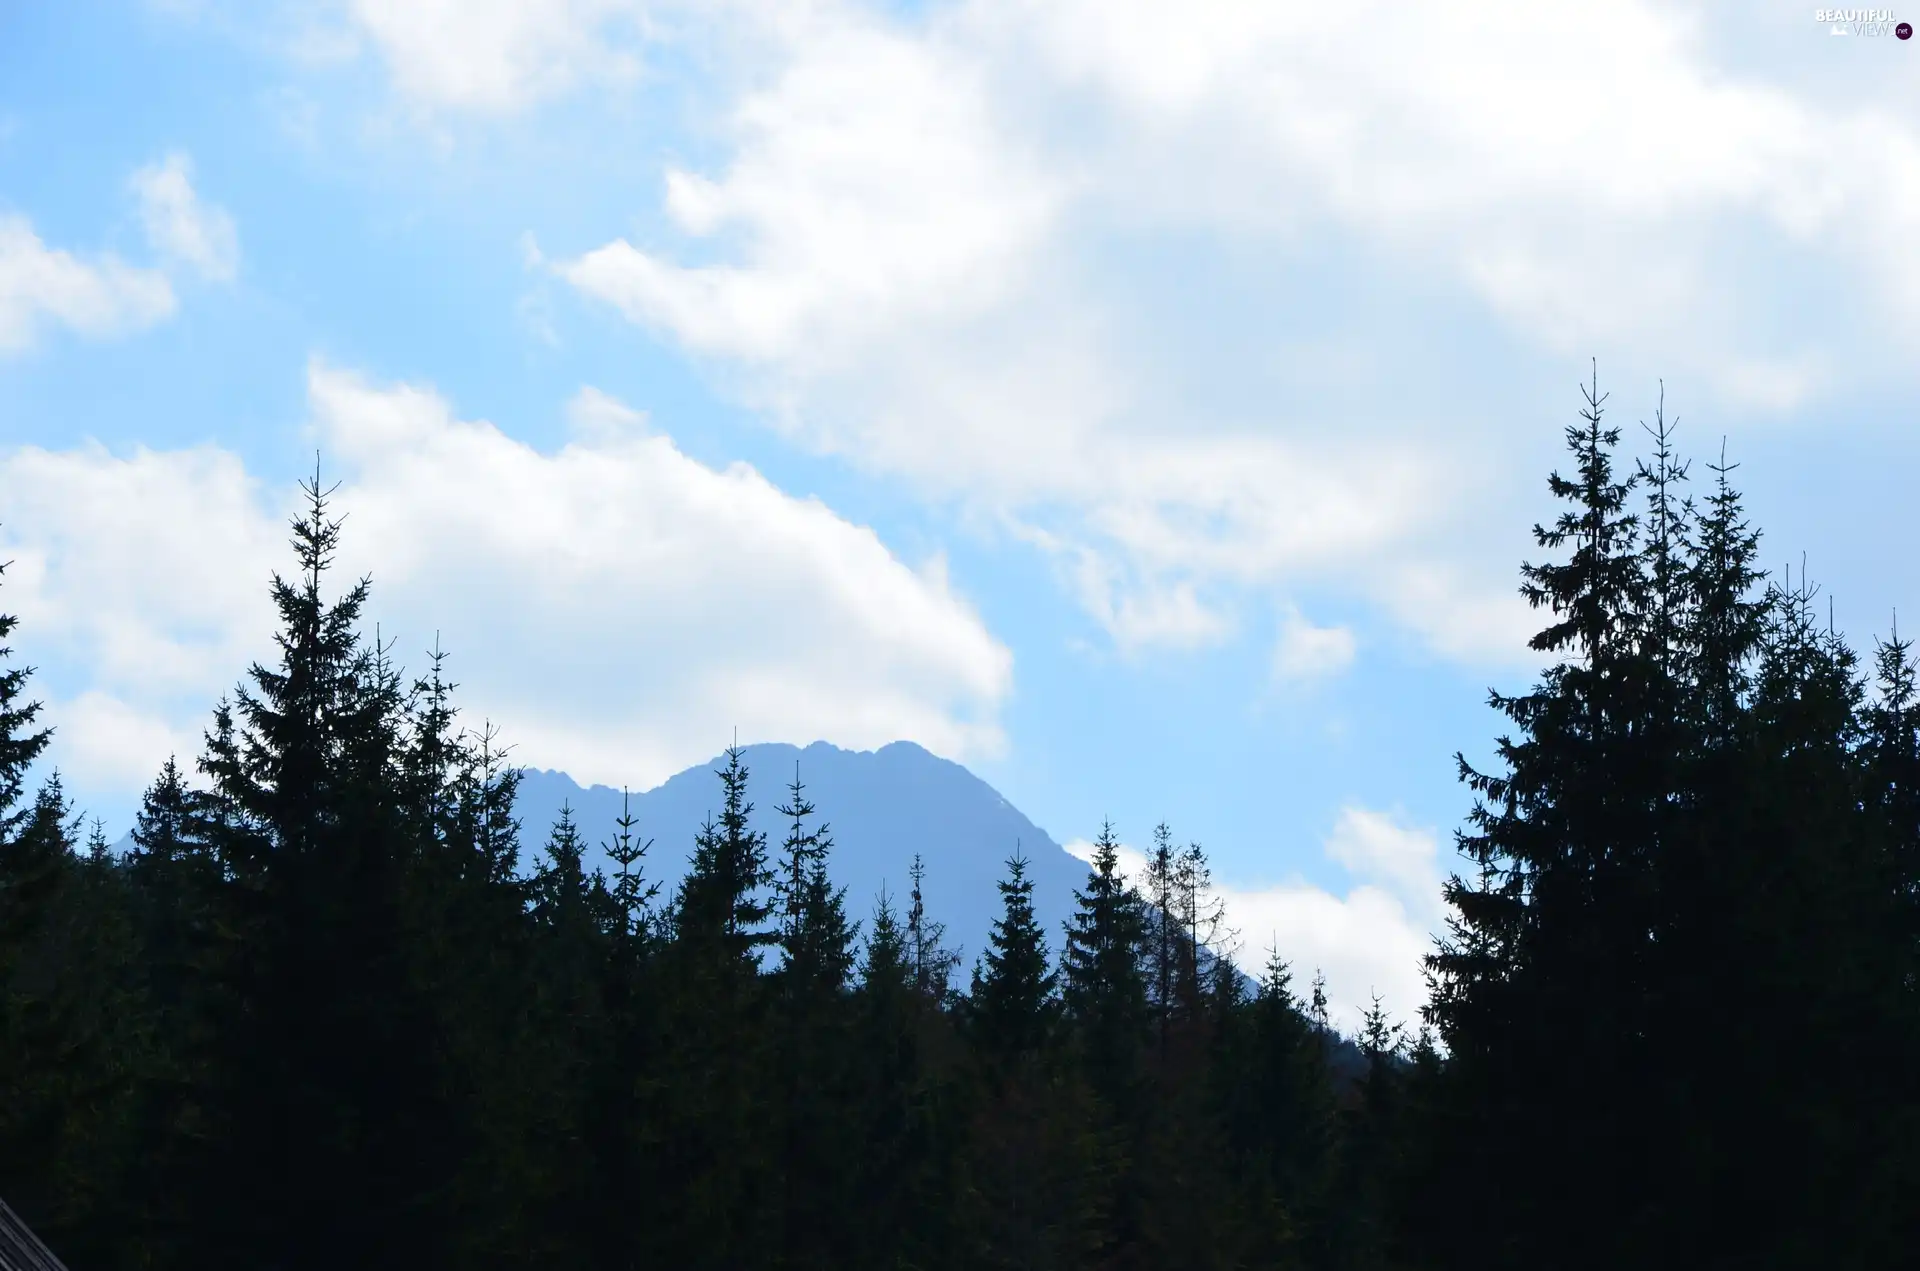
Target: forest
323 1013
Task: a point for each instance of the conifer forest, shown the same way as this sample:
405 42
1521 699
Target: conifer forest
324 1013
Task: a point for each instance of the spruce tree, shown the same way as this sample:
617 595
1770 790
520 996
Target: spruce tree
933 963
816 941
632 892
335 1120
33 867
903 1104
1278 1116
38 1030
175 882
721 1168
20 742
1012 1006
721 898
1540 988
816 956
1102 988
1038 1188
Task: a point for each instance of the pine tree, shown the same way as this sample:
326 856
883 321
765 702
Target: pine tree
33 856
1103 991
633 894
722 1208
816 944
903 1104
560 891
20 744
1201 919
1540 989
1367 1178
721 900
1161 887
38 1030
1012 1005
1035 1168
335 1119
1278 1115
175 882
1893 763
933 963
816 941
1801 896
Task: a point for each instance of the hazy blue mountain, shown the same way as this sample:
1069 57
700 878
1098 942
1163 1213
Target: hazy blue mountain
882 806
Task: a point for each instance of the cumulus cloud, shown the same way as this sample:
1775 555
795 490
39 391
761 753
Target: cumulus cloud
615 606
98 297
1373 846
104 743
139 581
148 567
179 225
1156 288
1369 939
926 244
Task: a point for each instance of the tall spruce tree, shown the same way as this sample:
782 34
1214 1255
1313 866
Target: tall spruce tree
816 940
1037 1189
816 956
38 1026
722 1207
1102 988
1012 1006
1277 1105
902 1051
335 1123
722 898
1539 988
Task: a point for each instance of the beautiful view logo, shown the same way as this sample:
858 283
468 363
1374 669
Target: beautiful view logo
1862 22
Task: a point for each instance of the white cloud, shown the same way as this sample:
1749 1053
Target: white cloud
99 297
1158 287
1372 846
927 235
1365 942
102 743
1369 940
602 417
1307 652
616 606
179 225
102 296
493 56
871 187
148 569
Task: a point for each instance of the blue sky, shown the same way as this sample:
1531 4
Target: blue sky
1144 405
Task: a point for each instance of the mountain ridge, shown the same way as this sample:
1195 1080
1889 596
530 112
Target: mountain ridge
882 806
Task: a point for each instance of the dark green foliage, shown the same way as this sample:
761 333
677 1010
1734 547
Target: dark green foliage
1673 988
20 744
322 1014
1012 1007
819 1223
1102 987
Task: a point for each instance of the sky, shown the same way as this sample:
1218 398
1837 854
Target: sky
1145 405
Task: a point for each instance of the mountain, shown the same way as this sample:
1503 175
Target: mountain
882 807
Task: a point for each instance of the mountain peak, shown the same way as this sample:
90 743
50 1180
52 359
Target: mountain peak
883 805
